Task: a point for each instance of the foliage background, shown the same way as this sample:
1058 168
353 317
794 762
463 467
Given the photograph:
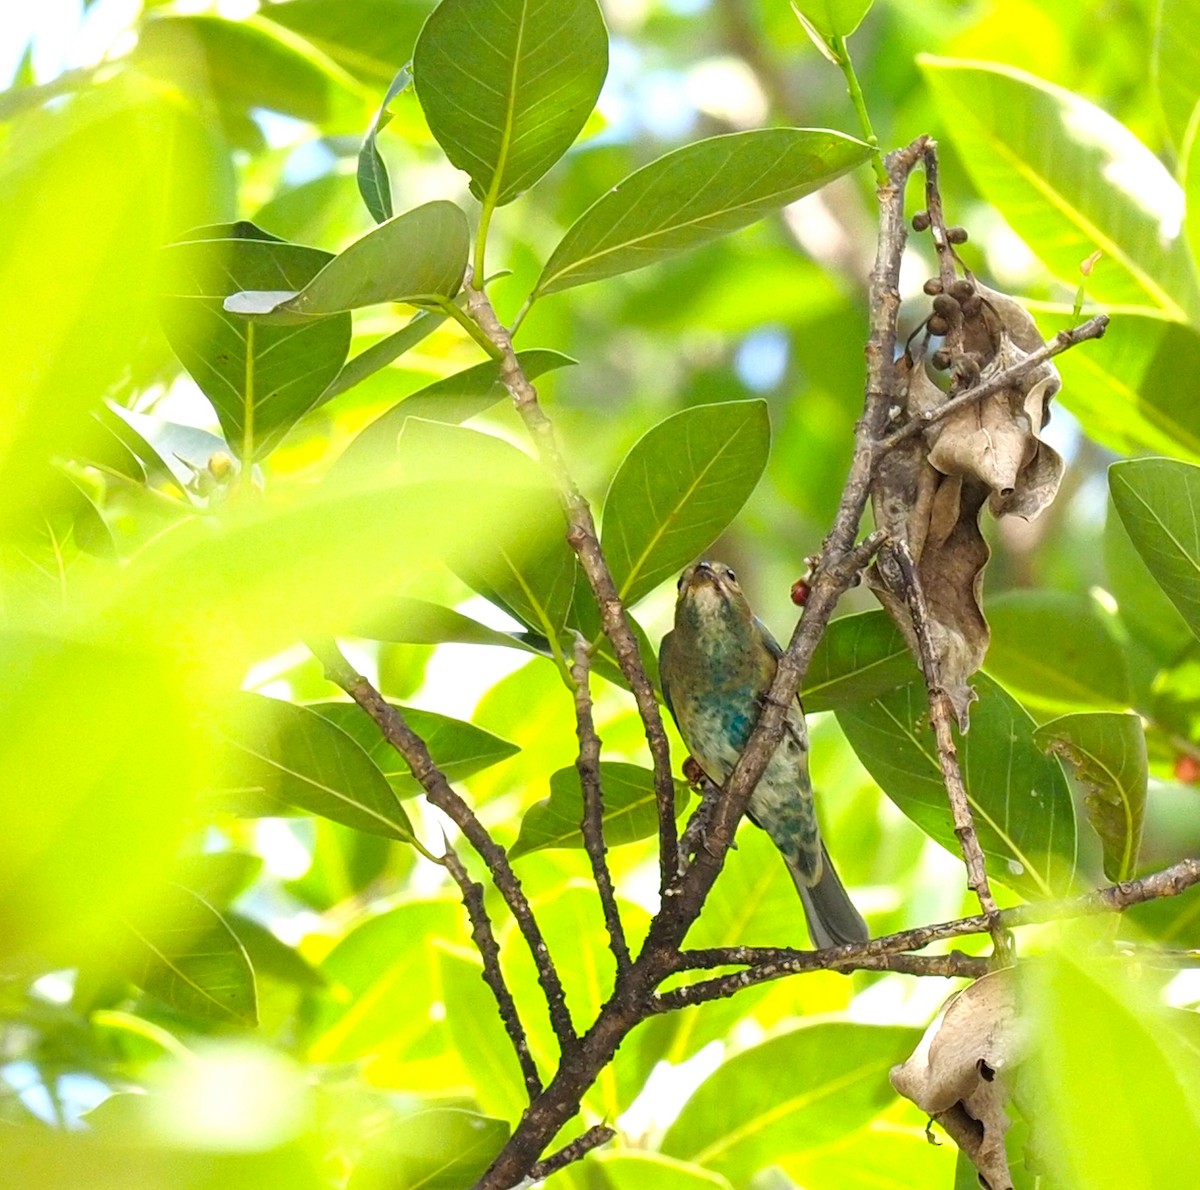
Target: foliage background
376 1042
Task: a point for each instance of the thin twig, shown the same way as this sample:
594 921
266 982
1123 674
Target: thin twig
588 766
897 569
411 747
598 1134
1011 377
584 540
489 951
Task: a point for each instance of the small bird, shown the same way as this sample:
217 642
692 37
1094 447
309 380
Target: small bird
717 665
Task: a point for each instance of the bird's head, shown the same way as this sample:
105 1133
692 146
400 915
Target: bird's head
709 591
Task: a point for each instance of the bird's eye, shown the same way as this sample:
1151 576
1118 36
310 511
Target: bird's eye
730 575
679 585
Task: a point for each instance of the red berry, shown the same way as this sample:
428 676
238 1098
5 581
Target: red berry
1187 769
800 592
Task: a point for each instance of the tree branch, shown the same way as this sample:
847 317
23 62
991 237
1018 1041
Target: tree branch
485 943
583 539
588 766
595 1136
412 748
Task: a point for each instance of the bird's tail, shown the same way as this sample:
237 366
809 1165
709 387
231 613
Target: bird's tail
832 918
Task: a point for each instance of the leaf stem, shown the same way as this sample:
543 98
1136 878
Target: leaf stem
838 44
485 222
453 310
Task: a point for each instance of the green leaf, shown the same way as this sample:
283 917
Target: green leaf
834 17
679 488
632 1169
384 975
744 1118
370 360
417 622
218 877
270 956
418 255
1135 1130
1175 67
458 748
1131 391
283 755
507 85
451 401
525 566
185 954
1108 754
1070 180
262 379
694 195
1023 811
859 658
476 1030
1056 651
439 1148
630 809
373 182
1157 501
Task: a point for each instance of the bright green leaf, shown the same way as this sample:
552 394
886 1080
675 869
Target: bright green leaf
285 757
458 748
1175 67
507 85
787 1095
1070 180
1157 501
632 1169
370 360
372 175
834 17
630 809
694 195
260 379
859 658
418 255
679 488
1108 754
1056 651
1022 806
271 956
186 955
409 621
218 877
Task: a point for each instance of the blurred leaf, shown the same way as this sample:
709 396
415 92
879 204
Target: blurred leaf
1022 806
217 877
451 400
270 956
1132 1124
585 616
1157 502
458 748
1036 152
185 954
1173 67
260 379
634 1170
1108 754
367 38
630 809
882 1156
285 756
1056 650
508 90
439 1148
476 1030
384 976
370 360
526 567
679 488
859 658
834 17
373 183
245 64
418 255
1130 389
742 1119
167 449
1145 610
695 194
418 622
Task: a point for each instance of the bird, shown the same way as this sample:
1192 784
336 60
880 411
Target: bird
716 666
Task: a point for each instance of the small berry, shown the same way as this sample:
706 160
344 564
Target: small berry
921 221
1187 769
940 359
932 286
938 325
800 592
956 235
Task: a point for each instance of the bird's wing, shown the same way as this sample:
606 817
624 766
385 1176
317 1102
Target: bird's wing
663 668
772 646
